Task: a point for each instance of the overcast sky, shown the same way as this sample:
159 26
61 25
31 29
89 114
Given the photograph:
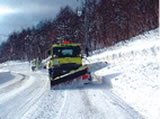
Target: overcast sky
18 14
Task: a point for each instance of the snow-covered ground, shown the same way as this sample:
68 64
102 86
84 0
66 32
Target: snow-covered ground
129 86
134 71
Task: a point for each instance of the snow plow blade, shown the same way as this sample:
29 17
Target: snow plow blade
69 76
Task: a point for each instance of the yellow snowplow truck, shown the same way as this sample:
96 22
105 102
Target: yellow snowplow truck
66 63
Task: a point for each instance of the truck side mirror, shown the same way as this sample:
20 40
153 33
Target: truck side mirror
49 52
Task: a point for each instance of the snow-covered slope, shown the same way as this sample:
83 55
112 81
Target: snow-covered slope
142 46
136 65
129 86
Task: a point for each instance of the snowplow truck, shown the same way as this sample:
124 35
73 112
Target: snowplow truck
66 63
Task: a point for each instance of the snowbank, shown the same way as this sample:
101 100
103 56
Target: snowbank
137 65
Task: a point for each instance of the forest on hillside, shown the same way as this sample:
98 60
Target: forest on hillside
110 21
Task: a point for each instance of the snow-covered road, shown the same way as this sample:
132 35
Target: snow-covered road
30 98
22 92
130 87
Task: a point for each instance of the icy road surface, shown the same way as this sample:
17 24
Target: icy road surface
29 97
129 88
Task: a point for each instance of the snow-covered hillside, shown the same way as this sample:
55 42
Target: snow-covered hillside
129 88
134 72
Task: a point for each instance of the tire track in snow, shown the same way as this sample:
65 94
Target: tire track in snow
91 110
63 105
15 84
117 101
51 106
12 90
76 105
24 98
6 103
36 95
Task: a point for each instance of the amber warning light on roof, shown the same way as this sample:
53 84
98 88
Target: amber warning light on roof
66 42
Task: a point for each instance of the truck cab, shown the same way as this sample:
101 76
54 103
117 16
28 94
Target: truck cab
65 57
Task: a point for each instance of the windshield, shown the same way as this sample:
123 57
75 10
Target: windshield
66 51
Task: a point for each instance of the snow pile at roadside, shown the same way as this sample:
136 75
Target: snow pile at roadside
134 71
139 85
144 45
